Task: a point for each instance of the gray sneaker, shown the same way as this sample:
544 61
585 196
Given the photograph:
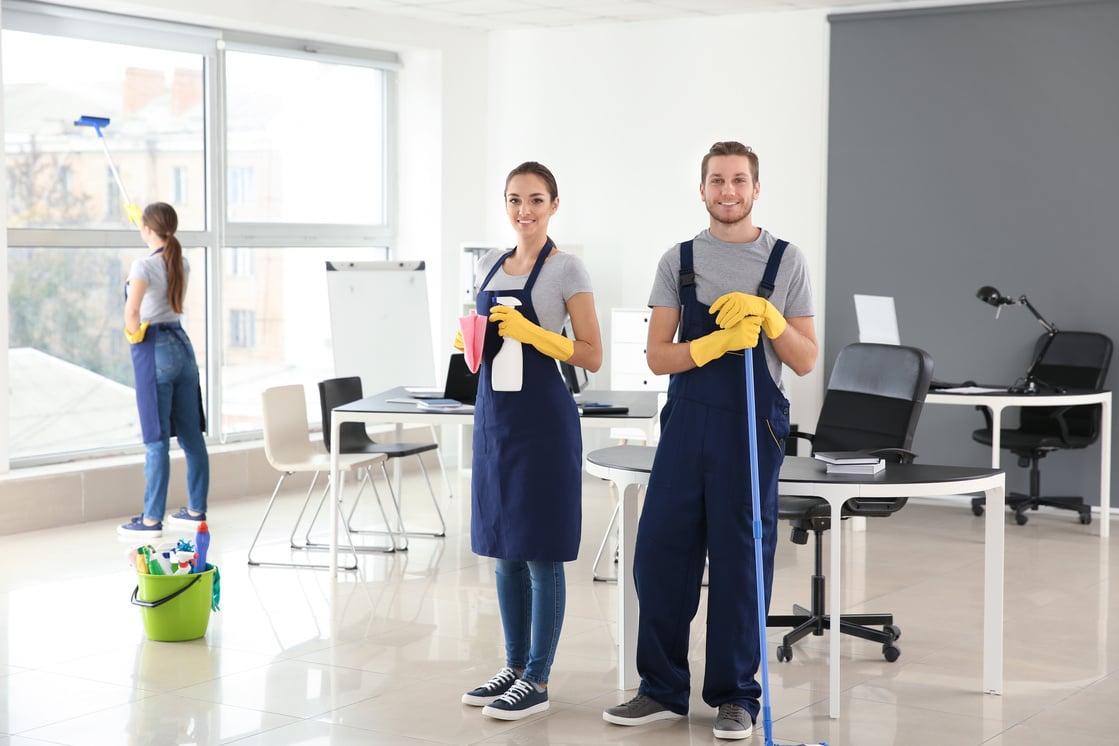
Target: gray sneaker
733 722
638 711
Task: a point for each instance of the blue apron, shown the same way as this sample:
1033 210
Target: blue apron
526 483
698 505
143 370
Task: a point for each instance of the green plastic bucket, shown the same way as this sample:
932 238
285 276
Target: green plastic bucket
175 607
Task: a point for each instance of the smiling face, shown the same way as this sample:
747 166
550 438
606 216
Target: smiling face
729 189
530 206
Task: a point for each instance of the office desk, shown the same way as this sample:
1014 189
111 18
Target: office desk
378 409
628 467
997 401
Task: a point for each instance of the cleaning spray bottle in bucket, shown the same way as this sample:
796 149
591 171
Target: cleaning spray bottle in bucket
507 370
201 546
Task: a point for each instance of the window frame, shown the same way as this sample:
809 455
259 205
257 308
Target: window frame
218 234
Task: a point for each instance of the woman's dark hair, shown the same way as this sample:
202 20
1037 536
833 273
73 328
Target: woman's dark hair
163 221
536 169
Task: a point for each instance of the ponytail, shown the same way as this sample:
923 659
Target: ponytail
161 218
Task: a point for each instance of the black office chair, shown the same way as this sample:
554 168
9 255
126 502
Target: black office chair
335 392
872 403
1073 361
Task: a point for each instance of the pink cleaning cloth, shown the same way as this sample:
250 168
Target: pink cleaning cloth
473 329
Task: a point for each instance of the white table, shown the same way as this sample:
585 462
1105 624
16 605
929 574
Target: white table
997 401
381 409
628 467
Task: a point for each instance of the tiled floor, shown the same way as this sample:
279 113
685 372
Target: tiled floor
413 630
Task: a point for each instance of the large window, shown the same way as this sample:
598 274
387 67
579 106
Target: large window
299 175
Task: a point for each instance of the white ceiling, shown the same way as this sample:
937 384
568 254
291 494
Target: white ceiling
519 14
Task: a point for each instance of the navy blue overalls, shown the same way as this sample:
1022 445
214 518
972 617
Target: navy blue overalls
698 505
526 485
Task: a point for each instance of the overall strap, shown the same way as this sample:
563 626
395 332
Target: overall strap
543 257
687 274
765 287
493 270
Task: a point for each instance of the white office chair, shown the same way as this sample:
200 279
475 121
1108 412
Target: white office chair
289 450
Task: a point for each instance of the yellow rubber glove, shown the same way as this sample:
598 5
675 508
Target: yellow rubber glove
742 335
733 307
135 214
459 344
137 336
512 323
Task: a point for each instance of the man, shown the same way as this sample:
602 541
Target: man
722 291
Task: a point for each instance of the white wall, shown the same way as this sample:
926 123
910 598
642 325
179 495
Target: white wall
623 115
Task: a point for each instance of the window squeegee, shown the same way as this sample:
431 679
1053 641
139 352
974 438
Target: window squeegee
97 123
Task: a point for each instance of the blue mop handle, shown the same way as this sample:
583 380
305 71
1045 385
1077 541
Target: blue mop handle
756 501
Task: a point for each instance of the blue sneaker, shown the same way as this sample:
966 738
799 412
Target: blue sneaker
185 516
520 701
137 527
492 689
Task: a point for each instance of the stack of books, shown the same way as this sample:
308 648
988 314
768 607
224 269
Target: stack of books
851 462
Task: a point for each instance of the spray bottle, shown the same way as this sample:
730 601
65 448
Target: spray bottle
507 372
202 545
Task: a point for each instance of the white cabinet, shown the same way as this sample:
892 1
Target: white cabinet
629 371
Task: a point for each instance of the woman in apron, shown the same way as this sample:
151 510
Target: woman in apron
168 394
527 463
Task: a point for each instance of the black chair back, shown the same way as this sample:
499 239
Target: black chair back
334 392
874 398
1074 360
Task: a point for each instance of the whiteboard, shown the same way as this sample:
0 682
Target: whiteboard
380 324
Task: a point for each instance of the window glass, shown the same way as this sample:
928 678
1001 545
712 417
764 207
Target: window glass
58 173
305 141
277 326
70 381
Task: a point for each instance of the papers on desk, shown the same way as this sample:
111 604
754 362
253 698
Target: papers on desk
845 457
971 390
441 405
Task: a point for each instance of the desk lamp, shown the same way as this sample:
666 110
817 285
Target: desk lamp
993 297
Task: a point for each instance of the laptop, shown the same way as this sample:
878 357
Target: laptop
461 384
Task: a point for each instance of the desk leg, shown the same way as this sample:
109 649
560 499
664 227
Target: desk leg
335 438
996 435
836 607
628 677
993 580
1105 468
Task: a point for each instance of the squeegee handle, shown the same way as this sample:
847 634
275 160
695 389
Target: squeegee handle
113 168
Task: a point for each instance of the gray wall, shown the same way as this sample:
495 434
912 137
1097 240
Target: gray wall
977 146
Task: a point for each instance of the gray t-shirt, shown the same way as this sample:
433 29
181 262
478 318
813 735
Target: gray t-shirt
722 267
562 276
152 270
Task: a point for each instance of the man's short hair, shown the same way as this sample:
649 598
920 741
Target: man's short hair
729 147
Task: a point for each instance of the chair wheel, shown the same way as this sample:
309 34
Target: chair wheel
891 652
1021 519
893 630
1085 518
976 509
784 652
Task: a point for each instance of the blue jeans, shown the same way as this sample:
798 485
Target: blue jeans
176 378
532 597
